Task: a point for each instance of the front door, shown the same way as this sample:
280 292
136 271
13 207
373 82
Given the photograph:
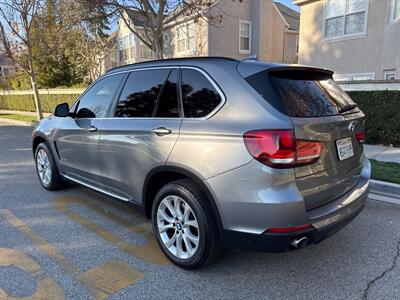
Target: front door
77 139
143 131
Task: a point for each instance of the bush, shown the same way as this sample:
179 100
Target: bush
382 110
26 102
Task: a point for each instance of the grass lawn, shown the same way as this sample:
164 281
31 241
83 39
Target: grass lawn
385 171
25 118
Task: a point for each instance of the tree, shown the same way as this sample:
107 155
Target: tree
157 16
59 38
94 43
16 19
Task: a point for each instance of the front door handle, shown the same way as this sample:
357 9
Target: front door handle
92 129
160 131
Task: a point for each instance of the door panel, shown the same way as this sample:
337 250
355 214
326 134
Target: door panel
78 147
78 137
129 149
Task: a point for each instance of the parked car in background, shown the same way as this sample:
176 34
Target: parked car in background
219 153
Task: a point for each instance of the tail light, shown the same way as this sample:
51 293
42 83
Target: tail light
280 149
289 229
360 136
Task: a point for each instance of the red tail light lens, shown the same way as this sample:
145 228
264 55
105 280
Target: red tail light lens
360 136
280 149
289 229
308 152
271 147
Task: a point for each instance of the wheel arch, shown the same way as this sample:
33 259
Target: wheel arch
162 175
38 139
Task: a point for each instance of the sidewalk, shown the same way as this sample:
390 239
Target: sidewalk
26 113
382 153
381 190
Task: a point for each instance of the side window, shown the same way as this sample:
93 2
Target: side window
140 93
199 96
96 101
168 104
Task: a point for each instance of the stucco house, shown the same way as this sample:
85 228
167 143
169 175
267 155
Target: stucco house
358 39
7 66
252 27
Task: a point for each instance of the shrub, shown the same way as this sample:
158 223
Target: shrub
382 110
26 102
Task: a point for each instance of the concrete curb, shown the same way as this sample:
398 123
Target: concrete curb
16 122
385 191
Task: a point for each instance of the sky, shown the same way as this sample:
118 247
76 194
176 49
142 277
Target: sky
289 4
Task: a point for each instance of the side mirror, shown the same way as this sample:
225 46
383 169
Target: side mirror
62 110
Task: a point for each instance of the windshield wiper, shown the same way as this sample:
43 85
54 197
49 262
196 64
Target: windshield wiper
347 107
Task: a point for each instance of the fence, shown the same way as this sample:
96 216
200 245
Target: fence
370 85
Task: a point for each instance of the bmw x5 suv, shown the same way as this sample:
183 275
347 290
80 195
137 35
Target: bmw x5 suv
219 153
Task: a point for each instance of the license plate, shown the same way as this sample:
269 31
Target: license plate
344 148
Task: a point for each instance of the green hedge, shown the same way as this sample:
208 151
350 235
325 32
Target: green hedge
382 110
26 102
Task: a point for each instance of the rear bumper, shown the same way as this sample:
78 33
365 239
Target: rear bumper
325 221
273 242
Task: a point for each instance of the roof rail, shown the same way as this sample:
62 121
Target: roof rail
250 57
172 60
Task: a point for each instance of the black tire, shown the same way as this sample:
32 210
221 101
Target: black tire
56 181
209 248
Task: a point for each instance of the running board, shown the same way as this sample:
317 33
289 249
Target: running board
104 191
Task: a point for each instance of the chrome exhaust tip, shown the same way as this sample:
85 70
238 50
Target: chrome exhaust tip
299 242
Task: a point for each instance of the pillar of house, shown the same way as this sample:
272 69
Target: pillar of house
262 16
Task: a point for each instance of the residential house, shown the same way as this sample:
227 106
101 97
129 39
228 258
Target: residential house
110 55
358 39
7 65
250 27
130 48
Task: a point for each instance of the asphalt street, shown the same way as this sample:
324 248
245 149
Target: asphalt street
77 244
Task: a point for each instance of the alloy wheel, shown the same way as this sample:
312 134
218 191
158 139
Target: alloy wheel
43 166
178 227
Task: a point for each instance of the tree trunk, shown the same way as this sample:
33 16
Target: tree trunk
159 49
36 96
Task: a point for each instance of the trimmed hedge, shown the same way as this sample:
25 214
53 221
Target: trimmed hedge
26 102
382 110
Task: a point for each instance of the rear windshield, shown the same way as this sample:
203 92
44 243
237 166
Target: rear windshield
302 95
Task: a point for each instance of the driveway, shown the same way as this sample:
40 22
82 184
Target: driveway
77 244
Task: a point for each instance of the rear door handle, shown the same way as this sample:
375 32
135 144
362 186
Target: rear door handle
92 129
160 131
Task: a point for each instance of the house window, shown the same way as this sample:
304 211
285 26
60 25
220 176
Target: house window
297 45
244 37
166 40
389 74
345 18
186 38
145 52
394 10
132 50
354 77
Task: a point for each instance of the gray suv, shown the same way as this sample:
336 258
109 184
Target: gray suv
218 153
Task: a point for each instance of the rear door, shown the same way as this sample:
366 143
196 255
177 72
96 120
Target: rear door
321 111
141 131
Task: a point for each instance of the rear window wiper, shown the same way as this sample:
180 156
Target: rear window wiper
347 107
